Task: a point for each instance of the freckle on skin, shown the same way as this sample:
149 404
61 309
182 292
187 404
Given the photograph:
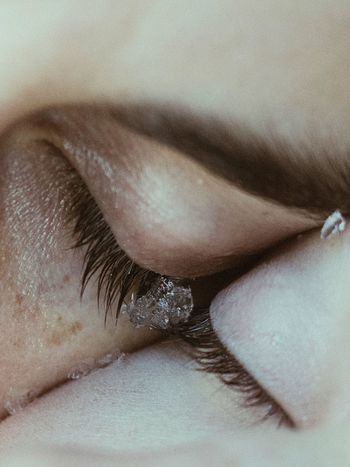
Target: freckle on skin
19 309
66 279
19 342
64 332
19 299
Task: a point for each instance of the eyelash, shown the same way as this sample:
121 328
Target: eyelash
117 276
212 357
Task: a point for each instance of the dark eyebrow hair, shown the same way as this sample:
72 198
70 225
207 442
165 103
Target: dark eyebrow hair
307 178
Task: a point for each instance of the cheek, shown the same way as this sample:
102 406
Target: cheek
46 337
151 399
46 331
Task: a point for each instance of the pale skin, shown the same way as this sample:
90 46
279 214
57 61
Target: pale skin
276 67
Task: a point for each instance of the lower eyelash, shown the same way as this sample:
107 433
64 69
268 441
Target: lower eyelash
117 276
212 357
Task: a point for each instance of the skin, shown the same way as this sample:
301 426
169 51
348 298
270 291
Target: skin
273 67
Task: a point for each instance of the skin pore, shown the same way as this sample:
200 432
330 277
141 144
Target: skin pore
273 67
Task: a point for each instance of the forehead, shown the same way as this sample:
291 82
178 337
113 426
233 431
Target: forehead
271 65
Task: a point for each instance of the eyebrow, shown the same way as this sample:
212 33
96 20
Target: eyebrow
308 178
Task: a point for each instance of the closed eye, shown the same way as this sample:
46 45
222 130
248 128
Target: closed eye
117 276
94 234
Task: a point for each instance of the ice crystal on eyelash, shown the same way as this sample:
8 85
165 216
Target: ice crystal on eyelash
334 225
166 304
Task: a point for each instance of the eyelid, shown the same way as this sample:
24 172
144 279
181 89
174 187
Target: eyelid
157 200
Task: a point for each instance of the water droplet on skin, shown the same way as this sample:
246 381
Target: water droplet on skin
109 358
82 369
89 365
15 403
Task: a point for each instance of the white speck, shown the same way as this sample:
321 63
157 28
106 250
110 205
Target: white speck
334 225
90 364
276 340
109 358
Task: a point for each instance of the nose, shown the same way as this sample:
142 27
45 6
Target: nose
288 322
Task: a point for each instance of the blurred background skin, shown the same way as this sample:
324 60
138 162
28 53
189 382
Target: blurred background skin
276 67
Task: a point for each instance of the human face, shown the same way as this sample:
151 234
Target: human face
273 73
